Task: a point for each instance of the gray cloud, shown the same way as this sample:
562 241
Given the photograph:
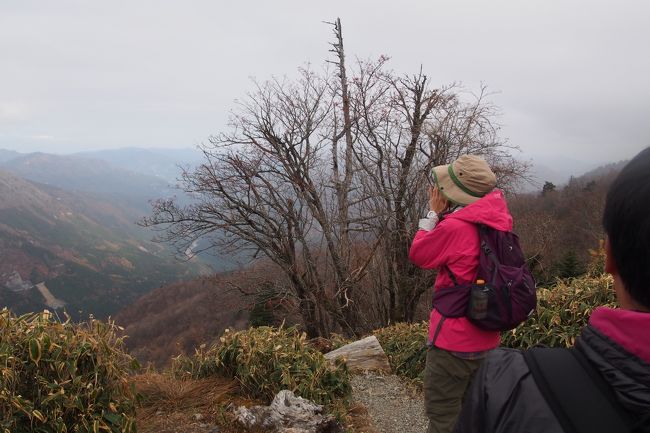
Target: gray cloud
570 76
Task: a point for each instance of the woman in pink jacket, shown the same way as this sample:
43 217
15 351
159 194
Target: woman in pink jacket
462 194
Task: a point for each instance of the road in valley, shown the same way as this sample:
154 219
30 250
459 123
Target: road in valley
50 300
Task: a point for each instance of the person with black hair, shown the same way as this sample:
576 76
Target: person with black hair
603 383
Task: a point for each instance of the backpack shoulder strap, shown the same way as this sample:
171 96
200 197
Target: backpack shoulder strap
451 275
486 250
580 399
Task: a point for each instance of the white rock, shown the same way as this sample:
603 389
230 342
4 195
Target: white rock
288 414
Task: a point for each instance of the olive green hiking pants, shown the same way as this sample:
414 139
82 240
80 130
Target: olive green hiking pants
446 379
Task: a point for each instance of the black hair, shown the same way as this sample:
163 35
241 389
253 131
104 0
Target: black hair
627 223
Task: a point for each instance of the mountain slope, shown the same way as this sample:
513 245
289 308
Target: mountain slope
8 155
80 174
177 318
65 241
161 163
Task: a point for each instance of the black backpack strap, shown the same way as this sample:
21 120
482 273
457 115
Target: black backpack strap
487 251
442 319
437 331
578 396
451 274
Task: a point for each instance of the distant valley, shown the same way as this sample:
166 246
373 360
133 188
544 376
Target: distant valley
68 233
160 163
82 174
69 242
69 238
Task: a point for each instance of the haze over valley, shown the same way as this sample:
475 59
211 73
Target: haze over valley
69 238
320 136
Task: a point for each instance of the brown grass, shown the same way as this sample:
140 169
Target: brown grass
169 405
161 392
359 419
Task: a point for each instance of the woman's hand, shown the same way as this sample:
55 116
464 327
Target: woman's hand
437 202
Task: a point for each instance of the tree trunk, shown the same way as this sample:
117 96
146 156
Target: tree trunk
345 286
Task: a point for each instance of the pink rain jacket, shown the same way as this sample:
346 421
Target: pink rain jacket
454 242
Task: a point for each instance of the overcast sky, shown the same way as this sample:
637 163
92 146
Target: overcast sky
571 78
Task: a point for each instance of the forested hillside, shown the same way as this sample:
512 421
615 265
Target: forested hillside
179 317
86 255
560 227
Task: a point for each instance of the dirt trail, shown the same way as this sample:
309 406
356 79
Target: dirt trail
393 406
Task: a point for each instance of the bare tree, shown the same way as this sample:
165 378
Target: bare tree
326 177
406 128
278 184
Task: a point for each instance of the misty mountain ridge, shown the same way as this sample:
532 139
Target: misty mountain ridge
7 155
555 169
118 186
69 221
604 170
51 243
75 173
164 165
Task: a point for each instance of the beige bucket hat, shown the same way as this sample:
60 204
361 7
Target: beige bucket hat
465 180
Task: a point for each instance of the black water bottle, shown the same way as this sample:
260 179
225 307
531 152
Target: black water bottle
478 301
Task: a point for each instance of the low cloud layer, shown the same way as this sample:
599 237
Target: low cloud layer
570 77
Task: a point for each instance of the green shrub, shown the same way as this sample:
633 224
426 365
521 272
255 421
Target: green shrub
570 266
405 346
63 377
562 311
267 360
267 306
337 340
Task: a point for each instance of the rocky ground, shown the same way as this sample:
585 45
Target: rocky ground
393 405
381 404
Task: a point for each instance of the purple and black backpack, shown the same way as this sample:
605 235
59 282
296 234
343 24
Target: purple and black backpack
503 295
